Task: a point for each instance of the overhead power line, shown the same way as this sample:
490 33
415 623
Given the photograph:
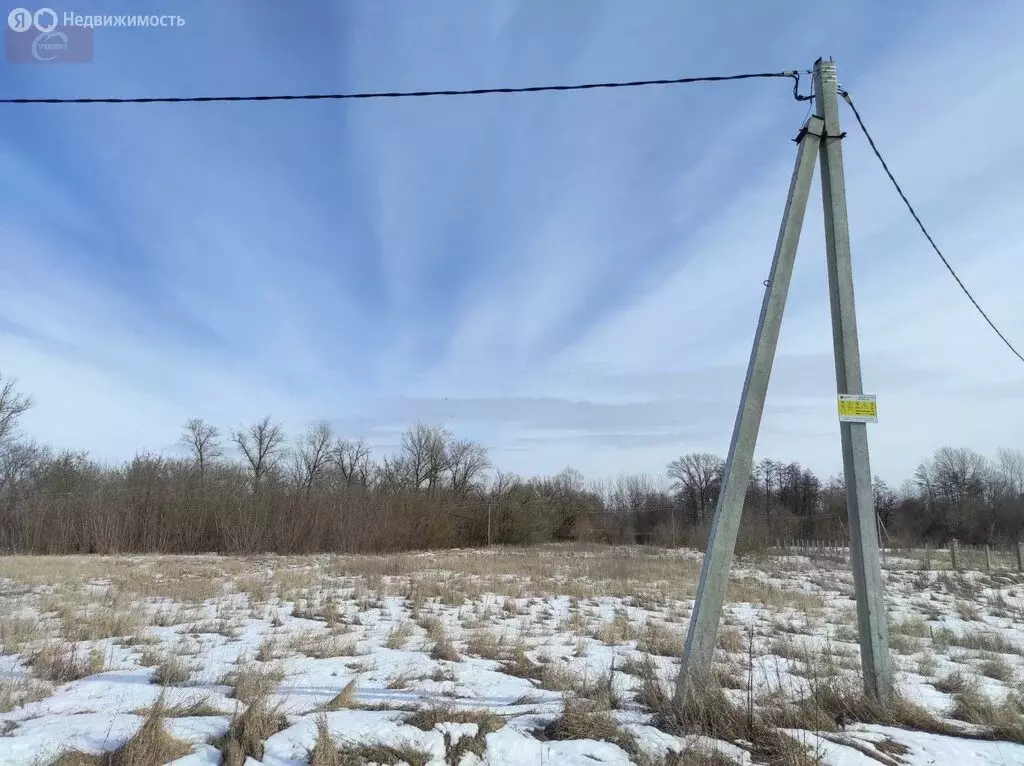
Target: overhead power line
407 94
899 190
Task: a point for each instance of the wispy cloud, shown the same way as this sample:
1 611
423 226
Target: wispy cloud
572 278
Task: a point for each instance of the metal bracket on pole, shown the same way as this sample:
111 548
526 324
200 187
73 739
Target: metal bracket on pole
714 576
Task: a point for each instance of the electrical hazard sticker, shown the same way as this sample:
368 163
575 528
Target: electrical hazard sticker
858 408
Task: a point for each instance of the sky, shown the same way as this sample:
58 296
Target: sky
569 278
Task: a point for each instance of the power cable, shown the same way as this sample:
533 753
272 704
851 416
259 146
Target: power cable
846 97
409 94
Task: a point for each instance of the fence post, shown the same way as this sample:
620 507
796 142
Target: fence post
1020 556
954 553
988 558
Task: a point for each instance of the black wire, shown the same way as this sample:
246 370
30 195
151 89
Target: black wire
401 94
885 167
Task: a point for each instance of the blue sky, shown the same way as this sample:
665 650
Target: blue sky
569 278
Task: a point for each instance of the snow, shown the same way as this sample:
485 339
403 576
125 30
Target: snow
922 748
586 612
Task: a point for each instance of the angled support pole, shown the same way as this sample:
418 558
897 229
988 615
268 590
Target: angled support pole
860 503
707 611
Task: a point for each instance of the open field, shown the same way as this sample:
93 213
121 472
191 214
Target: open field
554 655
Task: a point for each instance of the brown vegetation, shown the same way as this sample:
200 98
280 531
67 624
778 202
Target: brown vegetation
320 492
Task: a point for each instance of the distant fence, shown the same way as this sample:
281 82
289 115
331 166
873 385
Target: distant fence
956 556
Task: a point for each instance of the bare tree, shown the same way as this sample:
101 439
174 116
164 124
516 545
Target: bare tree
203 442
13 404
467 463
696 477
313 455
505 483
1010 465
353 461
425 449
954 484
261 444
766 469
396 473
885 500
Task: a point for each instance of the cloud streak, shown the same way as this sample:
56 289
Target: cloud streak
571 278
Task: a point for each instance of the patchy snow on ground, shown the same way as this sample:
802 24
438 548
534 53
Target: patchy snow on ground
555 655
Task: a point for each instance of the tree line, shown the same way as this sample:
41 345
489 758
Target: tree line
254 489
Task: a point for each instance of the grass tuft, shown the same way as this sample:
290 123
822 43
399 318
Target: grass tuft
1004 719
582 719
150 745
325 749
63 662
171 670
252 683
357 754
247 732
343 700
399 635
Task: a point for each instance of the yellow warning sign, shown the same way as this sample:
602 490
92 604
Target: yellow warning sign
858 408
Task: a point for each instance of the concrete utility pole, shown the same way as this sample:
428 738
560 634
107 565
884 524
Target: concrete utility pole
714 576
860 501
821 134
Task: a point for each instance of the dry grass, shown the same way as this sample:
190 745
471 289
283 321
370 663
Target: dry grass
661 640
1004 719
926 664
995 666
322 646
358 754
62 662
977 640
92 625
485 644
325 749
16 632
967 611
171 669
403 679
582 719
171 616
399 635
951 683
150 745
597 689
267 650
427 718
753 591
904 644
247 732
441 648
520 665
15 692
985 641
200 706
915 627
836 699
708 711
252 683
524 579
618 631
731 640
695 755
343 700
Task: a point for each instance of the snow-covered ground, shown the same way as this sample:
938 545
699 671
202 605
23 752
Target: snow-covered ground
553 655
